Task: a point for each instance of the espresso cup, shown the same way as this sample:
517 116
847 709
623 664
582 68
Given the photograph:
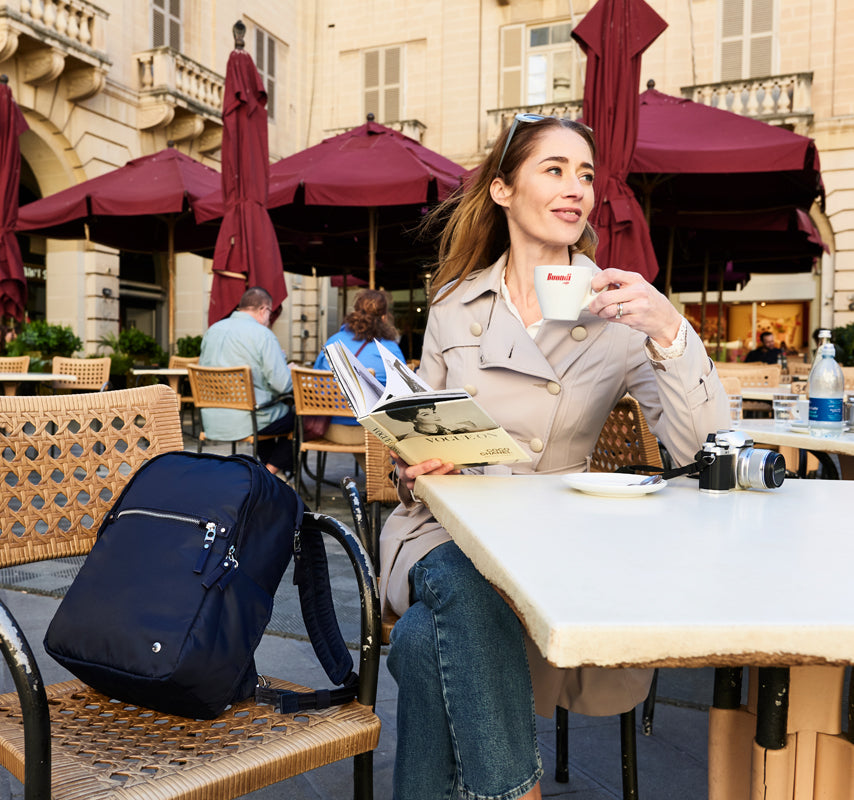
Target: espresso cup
564 291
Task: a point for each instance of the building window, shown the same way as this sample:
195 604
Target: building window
166 23
382 71
265 60
539 64
747 39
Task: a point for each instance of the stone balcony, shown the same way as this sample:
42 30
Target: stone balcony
500 118
181 96
56 39
412 128
778 99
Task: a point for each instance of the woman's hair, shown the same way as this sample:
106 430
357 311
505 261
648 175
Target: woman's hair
369 318
408 413
476 232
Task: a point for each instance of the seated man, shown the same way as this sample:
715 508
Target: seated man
245 338
766 353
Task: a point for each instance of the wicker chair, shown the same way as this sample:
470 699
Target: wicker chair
316 393
184 392
625 440
93 374
228 387
13 364
732 385
67 458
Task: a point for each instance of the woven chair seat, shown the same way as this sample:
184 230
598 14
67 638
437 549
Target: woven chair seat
101 745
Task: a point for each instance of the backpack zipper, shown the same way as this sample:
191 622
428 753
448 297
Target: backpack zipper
212 529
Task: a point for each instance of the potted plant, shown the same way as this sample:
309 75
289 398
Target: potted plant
189 346
131 347
41 341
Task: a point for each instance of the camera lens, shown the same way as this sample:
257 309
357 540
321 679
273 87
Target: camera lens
760 469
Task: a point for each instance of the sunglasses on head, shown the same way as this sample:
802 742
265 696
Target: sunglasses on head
529 118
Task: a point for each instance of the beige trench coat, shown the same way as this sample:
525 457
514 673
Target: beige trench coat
552 394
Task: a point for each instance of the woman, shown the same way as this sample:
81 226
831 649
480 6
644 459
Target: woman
426 421
458 653
367 321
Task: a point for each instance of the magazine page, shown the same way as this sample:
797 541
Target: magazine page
360 387
399 379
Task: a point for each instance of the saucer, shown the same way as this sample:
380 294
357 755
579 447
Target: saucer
611 484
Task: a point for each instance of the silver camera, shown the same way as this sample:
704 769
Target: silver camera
732 462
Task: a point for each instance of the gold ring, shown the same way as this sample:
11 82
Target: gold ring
619 310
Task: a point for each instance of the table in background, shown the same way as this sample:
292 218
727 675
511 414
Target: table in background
684 578
172 374
10 380
765 431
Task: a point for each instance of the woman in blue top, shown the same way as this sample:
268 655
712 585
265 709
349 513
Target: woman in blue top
367 321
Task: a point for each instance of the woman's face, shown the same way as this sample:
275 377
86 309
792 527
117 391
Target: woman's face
426 415
552 193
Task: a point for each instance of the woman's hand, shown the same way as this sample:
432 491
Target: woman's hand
409 472
625 297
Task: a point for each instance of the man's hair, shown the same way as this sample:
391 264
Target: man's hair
255 297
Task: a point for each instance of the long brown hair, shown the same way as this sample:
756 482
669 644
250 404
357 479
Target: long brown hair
476 233
369 318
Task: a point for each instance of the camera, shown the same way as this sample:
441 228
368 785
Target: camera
732 462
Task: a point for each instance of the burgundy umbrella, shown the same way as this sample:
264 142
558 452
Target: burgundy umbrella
13 284
614 34
143 206
336 190
247 252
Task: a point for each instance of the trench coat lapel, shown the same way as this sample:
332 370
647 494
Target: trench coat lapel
504 342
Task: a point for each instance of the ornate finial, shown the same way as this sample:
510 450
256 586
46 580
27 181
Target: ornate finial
4 79
650 84
170 143
239 31
371 117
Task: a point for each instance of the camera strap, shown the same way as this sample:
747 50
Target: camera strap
703 460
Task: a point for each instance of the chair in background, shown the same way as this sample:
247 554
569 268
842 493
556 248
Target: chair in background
799 369
750 375
184 393
93 374
625 440
316 393
732 385
13 364
67 739
228 387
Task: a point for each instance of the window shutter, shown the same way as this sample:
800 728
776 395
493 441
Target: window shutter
731 57
175 34
158 23
512 49
391 94
732 21
761 44
372 82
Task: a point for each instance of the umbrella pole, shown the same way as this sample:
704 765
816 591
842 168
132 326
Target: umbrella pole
703 301
372 246
720 305
171 282
668 270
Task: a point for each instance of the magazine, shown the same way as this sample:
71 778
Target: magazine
417 422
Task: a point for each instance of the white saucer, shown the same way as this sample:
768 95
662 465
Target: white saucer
611 484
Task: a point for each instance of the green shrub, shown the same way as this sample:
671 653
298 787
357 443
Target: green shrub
189 346
129 347
843 338
42 341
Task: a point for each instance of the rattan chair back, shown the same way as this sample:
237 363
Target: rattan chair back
93 374
731 384
184 392
751 374
625 440
14 363
799 369
66 458
222 387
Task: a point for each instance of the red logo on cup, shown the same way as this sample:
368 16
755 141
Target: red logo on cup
563 278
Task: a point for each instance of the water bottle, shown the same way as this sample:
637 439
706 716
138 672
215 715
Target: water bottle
826 388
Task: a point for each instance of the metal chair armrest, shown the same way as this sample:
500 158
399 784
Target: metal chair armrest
369 651
34 709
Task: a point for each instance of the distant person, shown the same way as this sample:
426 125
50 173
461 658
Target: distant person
767 352
368 320
245 338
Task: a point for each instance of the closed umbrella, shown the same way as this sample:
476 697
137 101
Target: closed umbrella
614 34
144 206
13 284
247 252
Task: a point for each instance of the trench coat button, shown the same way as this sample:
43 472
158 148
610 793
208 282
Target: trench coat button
476 329
537 445
471 389
579 333
553 387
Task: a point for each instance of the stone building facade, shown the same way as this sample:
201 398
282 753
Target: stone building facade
100 84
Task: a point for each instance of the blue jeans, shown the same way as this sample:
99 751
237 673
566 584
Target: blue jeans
465 707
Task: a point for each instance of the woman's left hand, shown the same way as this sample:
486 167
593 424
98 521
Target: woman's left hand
626 298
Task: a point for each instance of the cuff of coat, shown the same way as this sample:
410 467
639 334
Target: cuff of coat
658 353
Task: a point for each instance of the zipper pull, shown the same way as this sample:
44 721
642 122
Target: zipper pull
223 572
207 545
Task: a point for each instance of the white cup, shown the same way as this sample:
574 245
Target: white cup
564 291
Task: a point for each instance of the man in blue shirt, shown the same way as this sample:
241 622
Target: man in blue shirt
245 338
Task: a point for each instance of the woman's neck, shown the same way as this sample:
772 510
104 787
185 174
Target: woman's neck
519 279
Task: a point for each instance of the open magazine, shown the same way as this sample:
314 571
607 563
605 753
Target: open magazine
417 422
